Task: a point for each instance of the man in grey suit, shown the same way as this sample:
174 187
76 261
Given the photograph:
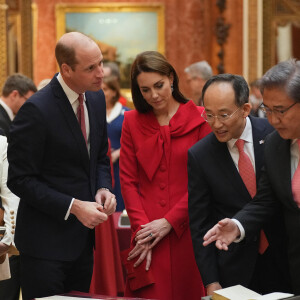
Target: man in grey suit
278 186
16 90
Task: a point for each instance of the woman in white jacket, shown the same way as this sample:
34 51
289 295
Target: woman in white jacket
10 203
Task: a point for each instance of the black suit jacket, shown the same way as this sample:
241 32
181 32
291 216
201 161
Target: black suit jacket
5 121
216 191
275 190
49 165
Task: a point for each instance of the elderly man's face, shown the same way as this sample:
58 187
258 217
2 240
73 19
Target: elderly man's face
288 123
219 100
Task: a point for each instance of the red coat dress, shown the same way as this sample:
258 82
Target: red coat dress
154 182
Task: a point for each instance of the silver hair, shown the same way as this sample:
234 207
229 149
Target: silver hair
201 69
285 75
114 68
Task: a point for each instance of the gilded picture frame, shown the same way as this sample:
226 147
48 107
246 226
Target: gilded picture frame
122 30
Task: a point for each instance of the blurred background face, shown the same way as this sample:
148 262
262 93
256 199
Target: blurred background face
156 89
196 84
219 99
109 93
18 100
288 123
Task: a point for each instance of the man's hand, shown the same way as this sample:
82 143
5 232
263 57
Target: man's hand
107 200
153 231
90 214
213 287
224 233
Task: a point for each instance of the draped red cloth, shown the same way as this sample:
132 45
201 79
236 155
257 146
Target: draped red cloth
108 276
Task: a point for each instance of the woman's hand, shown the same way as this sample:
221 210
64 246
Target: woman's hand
153 232
144 251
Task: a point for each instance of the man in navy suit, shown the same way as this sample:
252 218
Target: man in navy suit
280 87
60 171
217 189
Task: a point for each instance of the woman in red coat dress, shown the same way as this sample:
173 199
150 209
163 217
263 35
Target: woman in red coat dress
154 181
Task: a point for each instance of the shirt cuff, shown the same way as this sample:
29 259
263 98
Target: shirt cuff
242 231
68 211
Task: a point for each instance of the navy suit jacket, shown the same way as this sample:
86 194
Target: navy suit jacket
49 165
217 191
275 190
5 121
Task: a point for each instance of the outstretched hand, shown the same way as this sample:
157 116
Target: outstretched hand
223 233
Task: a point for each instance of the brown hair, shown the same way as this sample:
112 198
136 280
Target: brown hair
112 83
152 61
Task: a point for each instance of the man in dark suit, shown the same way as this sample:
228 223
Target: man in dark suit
59 168
16 90
279 185
216 189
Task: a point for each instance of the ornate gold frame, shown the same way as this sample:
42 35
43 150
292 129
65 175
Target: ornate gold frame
62 9
158 8
274 12
20 16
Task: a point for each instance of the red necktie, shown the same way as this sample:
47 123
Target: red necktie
296 181
247 173
80 115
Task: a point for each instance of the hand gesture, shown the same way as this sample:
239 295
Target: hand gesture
153 231
107 200
224 233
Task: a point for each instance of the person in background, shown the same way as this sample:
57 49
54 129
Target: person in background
279 185
16 90
58 166
111 68
197 74
10 283
114 117
256 100
218 188
153 173
43 83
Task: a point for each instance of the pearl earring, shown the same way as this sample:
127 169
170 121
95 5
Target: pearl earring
172 89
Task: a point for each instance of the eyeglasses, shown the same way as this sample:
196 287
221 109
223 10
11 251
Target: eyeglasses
209 118
275 111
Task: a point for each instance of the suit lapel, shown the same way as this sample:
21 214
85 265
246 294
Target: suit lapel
5 115
282 149
68 114
258 134
228 168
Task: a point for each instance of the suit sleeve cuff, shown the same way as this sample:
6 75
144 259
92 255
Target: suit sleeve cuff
68 211
242 231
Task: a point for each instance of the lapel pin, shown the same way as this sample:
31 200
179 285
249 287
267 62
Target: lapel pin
261 142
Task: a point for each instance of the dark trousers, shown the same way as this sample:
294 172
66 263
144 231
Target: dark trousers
271 274
41 277
10 288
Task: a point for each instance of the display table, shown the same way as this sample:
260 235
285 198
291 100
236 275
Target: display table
78 295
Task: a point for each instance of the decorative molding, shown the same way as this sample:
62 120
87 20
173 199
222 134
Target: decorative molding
25 65
3 41
222 32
